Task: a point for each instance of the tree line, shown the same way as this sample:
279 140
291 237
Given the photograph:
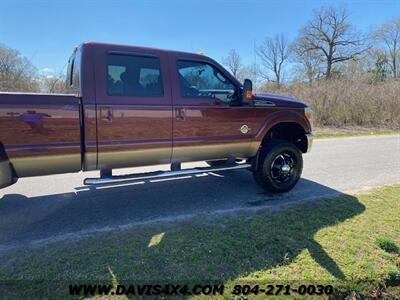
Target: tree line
328 46
18 74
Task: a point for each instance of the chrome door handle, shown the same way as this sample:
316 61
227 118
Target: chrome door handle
180 114
106 114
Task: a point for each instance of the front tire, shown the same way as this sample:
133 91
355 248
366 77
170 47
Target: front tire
279 167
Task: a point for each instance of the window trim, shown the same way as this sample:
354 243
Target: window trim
131 53
134 54
213 65
71 74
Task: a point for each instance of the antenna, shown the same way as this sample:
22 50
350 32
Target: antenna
254 51
255 65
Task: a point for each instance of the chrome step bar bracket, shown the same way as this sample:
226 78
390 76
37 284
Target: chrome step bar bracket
161 174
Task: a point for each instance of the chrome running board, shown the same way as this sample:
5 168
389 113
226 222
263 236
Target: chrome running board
161 174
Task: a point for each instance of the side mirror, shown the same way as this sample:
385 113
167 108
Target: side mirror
247 95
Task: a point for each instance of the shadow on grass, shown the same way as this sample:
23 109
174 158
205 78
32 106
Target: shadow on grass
200 250
225 249
25 219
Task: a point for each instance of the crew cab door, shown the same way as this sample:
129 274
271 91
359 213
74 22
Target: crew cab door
134 107
205 125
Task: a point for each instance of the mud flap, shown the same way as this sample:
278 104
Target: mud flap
6 170
255 161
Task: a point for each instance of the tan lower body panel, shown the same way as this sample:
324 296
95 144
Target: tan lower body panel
45 165
90 161
55 164
209 152
133 158
145 157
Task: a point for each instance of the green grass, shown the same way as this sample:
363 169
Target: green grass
330 241
324 132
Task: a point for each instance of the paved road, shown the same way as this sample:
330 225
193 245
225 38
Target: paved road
51 208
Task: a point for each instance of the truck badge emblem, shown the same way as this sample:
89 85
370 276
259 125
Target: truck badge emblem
244 129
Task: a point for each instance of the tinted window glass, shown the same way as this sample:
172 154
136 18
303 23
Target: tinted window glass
201 80
129 75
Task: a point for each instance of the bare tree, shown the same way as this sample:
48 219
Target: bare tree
233 62
309 61
389 34
274 53
251 72
17 73
331 35
54 84
372 66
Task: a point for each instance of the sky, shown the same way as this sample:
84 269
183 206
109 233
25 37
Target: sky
46 31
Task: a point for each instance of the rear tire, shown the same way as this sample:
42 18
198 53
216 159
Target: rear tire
279 167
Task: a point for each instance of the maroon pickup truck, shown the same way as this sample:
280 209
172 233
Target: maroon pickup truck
133 106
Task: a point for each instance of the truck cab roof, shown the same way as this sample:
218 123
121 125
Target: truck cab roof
142 48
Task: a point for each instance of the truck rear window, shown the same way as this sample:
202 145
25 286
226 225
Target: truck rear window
135 76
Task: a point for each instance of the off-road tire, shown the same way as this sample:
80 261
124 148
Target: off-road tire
278 179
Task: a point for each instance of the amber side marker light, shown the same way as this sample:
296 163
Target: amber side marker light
249 95
309 114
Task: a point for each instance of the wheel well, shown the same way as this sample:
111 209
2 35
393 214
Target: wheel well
291 132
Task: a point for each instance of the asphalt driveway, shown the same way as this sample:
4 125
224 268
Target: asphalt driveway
39 210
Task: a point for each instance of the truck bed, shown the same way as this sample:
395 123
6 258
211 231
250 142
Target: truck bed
40 133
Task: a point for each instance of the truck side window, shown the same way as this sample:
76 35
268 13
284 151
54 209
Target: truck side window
131 75
202 80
